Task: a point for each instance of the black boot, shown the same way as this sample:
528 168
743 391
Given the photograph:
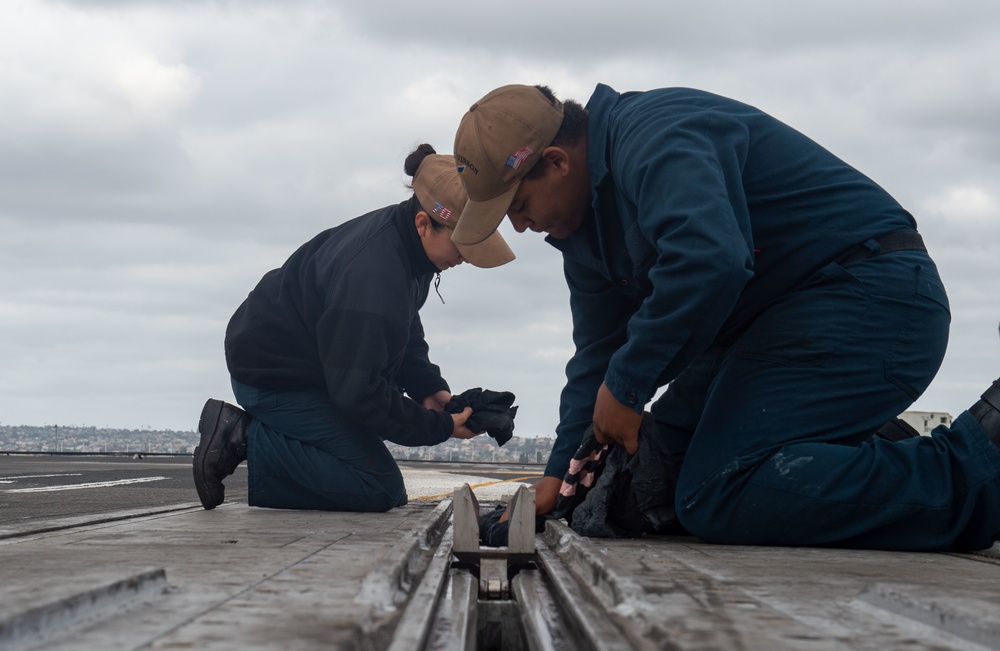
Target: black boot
223 447
987 412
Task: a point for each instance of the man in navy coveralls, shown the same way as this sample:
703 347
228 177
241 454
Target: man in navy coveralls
786 298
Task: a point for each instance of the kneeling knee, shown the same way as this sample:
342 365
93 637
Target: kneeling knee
711 515
703 522
386 496
708 525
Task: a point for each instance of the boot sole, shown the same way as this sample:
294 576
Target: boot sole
211 491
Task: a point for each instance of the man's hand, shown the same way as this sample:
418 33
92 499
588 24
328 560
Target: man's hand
546 495
437 401
460 431
615 422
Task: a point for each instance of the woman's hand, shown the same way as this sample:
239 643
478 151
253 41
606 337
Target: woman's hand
460 431
546 494
437 401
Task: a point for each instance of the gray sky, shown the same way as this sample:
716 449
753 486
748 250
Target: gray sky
157 158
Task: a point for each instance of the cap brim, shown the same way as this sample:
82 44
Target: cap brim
491 252
481 218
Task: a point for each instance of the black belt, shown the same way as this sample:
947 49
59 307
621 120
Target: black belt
895 241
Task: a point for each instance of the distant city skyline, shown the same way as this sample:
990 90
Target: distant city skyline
92 440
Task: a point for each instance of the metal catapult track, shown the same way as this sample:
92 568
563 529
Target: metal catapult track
550 592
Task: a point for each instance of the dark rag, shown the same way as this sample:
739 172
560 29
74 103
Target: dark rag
491 412
494 533
608 493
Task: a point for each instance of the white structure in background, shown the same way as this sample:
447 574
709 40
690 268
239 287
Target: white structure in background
925 421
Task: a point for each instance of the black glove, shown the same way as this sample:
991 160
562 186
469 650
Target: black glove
491 412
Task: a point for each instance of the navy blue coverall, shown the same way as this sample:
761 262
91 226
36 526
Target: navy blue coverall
328 356
722 258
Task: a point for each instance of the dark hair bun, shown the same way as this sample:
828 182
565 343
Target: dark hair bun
416 157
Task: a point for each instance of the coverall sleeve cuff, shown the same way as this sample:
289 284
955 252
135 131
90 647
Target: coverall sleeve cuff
626 392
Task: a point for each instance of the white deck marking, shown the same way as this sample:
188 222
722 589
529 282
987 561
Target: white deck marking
13 479
73 487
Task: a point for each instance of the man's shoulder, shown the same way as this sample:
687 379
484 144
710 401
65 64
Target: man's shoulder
680 100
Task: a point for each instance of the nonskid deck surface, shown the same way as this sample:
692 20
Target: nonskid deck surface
176 576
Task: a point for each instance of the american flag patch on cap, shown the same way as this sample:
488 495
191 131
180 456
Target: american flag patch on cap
515 159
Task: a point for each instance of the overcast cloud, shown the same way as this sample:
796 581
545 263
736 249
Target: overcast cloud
157 158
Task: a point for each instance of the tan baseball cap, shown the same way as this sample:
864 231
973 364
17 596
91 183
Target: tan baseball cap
498 141
440 193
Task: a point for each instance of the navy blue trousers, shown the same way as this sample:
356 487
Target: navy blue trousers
774 428
303 454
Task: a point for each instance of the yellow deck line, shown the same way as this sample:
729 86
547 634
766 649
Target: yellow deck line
427 498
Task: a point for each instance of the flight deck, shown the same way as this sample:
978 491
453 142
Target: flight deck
140 565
